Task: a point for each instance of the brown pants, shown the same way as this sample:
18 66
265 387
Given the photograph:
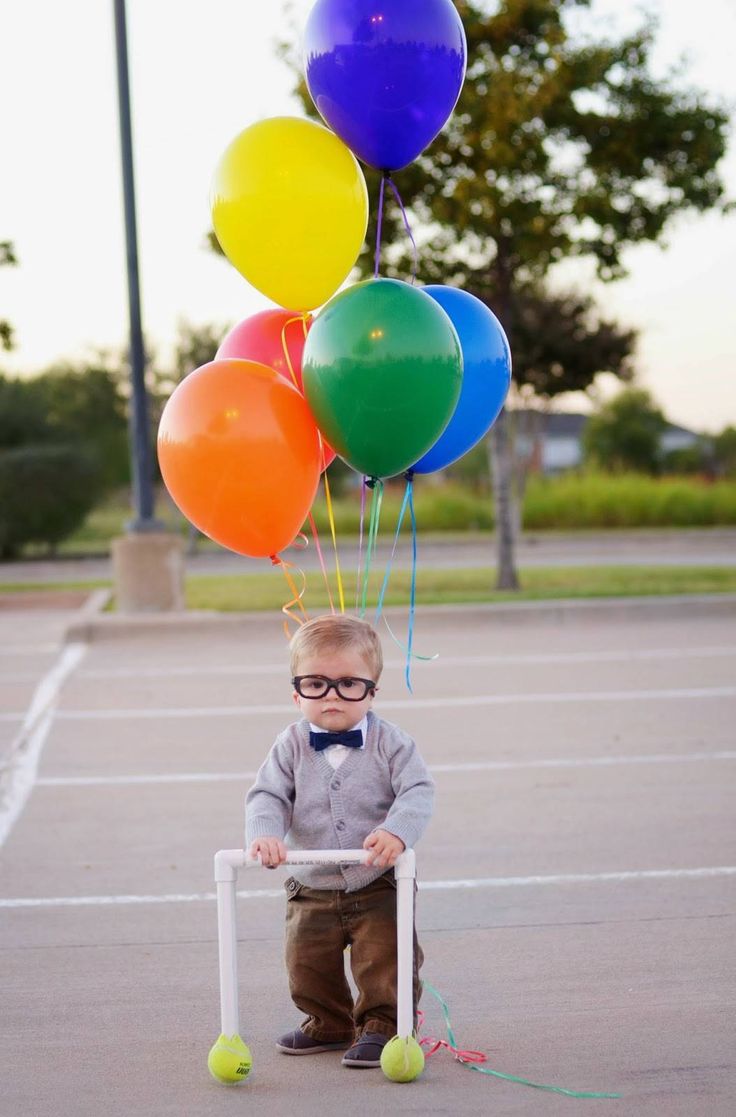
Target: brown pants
320 924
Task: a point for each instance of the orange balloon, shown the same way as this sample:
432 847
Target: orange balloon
240 455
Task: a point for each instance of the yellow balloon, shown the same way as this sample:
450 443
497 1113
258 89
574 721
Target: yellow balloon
290 210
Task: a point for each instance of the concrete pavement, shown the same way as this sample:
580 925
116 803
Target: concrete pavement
577 883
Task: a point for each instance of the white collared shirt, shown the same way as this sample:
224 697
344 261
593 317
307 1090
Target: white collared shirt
337 753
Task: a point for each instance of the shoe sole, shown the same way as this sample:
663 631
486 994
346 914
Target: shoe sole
361 1063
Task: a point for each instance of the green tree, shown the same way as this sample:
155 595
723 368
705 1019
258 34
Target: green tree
80 405
7 256
85 406
22 413
562 145
724 452
626 434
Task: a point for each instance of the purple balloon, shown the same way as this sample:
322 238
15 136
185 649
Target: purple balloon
385 74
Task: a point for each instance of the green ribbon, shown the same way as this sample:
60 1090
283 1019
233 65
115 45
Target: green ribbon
497 1073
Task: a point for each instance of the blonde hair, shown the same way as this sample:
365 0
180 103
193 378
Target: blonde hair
335 633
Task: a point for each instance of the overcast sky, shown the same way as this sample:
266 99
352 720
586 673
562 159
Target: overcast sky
201 71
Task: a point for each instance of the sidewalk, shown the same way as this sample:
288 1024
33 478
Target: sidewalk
711 547
577 894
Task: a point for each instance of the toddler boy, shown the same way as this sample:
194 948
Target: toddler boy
340 778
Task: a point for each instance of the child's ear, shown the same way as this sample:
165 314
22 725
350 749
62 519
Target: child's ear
295 696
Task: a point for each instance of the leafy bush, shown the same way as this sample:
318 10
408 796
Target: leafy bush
45 494
596 500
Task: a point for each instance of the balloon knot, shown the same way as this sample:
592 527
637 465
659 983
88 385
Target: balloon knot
275 560
409 475
371 482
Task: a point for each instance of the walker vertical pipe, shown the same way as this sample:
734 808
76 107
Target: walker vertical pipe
405 876
225 878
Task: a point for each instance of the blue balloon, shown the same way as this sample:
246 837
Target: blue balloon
486 376
385 76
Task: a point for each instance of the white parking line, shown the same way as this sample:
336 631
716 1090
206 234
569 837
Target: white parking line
479 766
426 885
19 772
148 714
521 699
243 670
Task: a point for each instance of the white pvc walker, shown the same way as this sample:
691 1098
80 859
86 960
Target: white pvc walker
227 863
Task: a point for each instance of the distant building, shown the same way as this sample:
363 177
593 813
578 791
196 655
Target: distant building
553 441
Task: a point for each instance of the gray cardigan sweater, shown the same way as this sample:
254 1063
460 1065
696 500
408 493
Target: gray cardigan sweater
298 796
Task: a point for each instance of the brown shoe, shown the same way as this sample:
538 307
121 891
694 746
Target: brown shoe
367 1051
297 1043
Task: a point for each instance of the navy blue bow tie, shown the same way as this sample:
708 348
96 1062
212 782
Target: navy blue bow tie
353 738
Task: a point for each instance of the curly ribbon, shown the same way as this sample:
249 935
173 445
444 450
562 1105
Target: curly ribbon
408 502
473 1059
296 601
331 516
377 486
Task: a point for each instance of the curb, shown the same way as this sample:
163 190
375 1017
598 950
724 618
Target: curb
111 626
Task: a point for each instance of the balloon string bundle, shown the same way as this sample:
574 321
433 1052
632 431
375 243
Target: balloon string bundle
304 318
407 502
376 486
385 178
363 488
331 516
473 1059
295 601
315 536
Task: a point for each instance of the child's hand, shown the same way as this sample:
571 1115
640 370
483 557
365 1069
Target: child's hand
385 848
272 851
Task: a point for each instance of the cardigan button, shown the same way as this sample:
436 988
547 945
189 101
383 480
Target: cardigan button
335 785
339 825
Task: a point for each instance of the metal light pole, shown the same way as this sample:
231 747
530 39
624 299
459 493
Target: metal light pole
140 446
148 561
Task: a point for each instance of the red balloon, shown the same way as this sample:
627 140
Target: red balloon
262 338
240 455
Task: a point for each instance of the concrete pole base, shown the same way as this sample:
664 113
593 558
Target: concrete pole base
148 572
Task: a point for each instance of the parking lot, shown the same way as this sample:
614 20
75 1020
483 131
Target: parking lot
577 883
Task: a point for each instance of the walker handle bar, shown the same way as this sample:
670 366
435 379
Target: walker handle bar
228 861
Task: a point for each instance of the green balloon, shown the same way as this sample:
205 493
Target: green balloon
382 372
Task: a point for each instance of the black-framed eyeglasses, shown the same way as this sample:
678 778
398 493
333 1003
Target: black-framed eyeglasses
317 686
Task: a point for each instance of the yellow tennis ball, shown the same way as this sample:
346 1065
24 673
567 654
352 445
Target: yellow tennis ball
402 1059
229 1060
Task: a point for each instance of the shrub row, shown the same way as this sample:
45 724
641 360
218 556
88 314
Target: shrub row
567 502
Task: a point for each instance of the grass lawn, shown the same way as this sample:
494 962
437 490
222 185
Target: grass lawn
256 592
